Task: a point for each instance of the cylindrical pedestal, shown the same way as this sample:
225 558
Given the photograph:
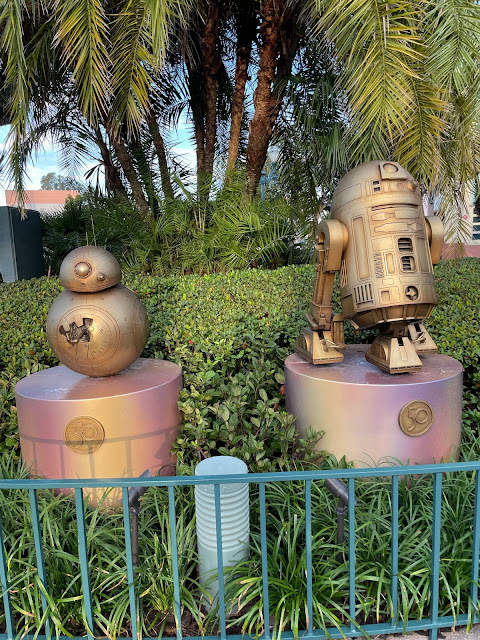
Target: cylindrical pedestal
235 520
372 417
73 426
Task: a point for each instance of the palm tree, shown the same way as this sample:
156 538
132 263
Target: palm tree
410 75
404 78
105 59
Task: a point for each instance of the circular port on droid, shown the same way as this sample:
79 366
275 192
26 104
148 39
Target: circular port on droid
83 269
411 293
389 167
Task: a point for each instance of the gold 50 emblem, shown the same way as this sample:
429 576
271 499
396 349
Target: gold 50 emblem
84 435
416 418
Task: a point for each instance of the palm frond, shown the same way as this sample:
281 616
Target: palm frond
453 38
418 147
376 44
460 165
12 14
132 58
82 35
139 46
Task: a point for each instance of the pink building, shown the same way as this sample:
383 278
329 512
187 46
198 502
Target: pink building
42 200
469 251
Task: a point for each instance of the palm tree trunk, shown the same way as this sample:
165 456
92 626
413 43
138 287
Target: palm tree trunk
203 61
279 45
161 155
211 64
131 176
197 106
113 181
289 44
261 126
245 34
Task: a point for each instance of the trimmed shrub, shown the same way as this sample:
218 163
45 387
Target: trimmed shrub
231 332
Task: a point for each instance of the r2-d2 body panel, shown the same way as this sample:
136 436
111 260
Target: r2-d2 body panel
386 273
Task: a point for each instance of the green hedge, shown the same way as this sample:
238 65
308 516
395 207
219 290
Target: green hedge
231 333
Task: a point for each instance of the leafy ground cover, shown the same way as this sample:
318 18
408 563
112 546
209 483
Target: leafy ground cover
231 333
286 535
186 236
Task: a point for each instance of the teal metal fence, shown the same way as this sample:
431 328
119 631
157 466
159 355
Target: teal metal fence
433 623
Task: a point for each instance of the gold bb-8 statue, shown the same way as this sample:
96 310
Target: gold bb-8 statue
96 326
384 249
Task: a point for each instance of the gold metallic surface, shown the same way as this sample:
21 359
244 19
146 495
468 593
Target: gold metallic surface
84 435
393 355
89 269
322 341
416 418
316 349
379 242
97 334
83 269
436 237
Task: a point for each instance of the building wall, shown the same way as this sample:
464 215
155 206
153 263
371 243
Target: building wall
470 215
41 200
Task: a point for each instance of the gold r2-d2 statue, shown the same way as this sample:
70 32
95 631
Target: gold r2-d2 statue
384 249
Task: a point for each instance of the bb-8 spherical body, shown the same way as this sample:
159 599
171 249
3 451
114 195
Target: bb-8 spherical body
97 326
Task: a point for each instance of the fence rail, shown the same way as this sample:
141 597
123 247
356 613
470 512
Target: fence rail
353 629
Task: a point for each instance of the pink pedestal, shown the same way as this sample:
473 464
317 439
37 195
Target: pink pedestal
360 408
73 426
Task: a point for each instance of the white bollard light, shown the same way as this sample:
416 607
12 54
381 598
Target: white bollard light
235 520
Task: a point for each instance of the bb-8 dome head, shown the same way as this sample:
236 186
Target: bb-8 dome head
90 269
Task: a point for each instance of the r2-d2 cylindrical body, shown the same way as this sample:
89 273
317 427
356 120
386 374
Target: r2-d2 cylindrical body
386 273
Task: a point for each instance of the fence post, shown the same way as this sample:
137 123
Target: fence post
351 551
394 585
475 548
436 527
82 548
6 589
130 568
173 542
263 542
308 535
37 536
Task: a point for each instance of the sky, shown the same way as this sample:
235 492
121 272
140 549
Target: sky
45 162
48 159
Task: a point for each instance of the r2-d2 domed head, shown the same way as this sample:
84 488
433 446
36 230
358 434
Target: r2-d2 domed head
90 269
382 181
